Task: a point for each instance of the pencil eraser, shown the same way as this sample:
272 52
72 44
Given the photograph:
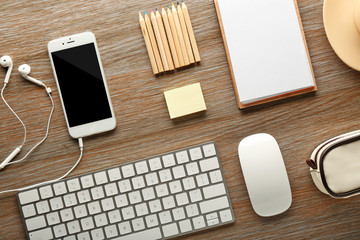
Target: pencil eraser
185 101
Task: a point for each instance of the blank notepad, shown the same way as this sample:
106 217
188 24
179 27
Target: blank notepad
266 49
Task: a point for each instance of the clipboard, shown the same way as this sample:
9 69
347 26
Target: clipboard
257 80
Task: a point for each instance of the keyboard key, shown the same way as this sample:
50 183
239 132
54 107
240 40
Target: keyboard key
216 176
100 178
84 236
226 216
87 223
29 196
170 230
155 206
28 210
162 190
209 164
73 185
168 202
121 201
128 213
56 203
202 180
128 171
100 220
134 197
97 192
195 195
214 190
178 172
107 204
73 227
151 179
178 213
46 192
80 211
182 199
168 160
198 222
70 200
185 226
42 207
59 188
214 204
60 230
182 157
155 164
165 175
141 209
124 227
175 187
165 217
195 153
192 210
66 215
124 186
138 182
141 167
188 183
94 207
151 221
69 238
110 231
150 234
209 150
114 174
114 216
148 193
45 233
138 224
212 219
84 196
97 234
111 189
87 181
192 168
35 223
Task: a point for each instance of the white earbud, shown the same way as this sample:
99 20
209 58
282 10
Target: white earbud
6 62
25 70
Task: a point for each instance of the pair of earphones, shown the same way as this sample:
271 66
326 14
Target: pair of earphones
24 71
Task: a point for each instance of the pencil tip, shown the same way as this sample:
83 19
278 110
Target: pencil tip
168 7
156 9
151 10
145 12
177 3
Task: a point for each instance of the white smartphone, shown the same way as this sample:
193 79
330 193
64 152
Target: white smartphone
82 86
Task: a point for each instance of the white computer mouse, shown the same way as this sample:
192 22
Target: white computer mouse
265 174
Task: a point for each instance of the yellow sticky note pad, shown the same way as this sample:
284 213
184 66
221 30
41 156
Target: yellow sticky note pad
185 100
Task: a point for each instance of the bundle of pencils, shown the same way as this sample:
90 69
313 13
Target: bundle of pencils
169 38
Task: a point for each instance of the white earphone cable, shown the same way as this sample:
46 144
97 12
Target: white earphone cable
47 131
81 146
2 96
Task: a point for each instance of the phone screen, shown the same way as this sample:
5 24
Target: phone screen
81 85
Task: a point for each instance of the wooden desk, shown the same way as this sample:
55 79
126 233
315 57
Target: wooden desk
144 128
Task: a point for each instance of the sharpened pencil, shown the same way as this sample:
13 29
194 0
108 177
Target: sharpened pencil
164 40
191 32
180 35
170 37
148 44
159 41
153 43
175 37
185 34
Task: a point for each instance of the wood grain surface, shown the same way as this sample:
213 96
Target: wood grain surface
144 128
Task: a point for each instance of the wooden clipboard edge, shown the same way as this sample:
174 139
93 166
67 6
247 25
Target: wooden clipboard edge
282 96
227 52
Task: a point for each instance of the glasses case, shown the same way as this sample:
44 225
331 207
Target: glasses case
335 165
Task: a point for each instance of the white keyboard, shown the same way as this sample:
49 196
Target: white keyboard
162 197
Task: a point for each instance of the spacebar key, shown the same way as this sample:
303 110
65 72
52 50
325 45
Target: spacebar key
214 204
150 234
